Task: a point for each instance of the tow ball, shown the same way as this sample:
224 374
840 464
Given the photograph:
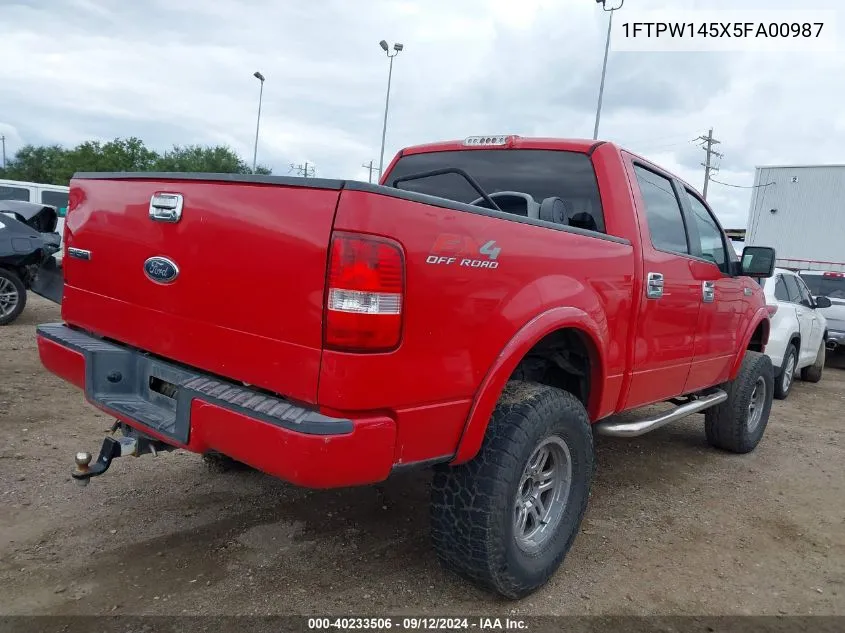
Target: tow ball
130 444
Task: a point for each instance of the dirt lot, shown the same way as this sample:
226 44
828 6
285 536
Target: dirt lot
673 527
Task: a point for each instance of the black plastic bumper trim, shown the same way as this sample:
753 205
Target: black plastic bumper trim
195 385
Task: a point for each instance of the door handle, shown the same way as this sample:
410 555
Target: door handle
708 291
654 286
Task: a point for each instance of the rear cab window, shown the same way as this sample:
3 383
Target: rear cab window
541 174
831 286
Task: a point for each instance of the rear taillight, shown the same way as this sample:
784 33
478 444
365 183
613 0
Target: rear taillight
366 284
772 309
834 274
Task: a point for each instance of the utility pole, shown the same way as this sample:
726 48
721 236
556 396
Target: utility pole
306 170
371 169
3 139
708 143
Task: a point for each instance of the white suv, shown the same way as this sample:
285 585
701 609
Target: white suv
798 331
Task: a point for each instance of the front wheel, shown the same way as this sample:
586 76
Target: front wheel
506 519
738 424
12 296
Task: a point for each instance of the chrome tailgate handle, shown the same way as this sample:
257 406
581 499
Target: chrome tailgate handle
654 286
166 207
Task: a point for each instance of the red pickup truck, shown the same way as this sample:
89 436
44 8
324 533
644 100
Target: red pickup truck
484 310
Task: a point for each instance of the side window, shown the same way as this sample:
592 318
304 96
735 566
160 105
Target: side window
781 293
665 220
14 193
56 199
792 289
712 240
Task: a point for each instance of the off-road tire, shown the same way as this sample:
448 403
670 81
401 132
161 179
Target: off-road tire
813 373
726 424
21 290
473 505
218 463
782 392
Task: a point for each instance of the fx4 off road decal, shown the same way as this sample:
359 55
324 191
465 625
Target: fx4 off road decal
460 250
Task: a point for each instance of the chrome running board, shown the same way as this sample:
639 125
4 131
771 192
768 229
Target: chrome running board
641 427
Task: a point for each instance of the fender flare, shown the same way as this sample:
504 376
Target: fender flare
761 316
497 376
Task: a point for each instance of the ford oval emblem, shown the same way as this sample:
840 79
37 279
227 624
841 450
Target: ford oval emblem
161 270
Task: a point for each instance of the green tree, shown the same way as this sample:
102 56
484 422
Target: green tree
37 164
55 164
195 158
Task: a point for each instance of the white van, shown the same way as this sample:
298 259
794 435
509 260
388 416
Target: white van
54 195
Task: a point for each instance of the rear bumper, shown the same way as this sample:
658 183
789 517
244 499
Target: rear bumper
835 339
203 413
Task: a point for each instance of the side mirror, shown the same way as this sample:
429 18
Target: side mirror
822 302
757 261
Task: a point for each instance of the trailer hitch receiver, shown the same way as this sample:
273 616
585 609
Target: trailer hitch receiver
112 448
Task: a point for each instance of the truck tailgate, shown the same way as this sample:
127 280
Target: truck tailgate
234 286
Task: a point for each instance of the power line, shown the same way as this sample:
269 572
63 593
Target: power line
727 184
708 142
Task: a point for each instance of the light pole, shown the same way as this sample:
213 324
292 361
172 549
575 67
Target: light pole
396 49
260 78
604 65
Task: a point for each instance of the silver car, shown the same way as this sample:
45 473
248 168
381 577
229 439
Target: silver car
832 286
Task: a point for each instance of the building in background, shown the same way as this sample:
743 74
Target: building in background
799 210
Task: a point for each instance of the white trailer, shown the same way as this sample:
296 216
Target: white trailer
799 210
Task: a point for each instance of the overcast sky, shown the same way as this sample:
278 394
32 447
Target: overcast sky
180 72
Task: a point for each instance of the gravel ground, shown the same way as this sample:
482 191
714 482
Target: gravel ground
673 527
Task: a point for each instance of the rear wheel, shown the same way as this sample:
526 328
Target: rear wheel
787 374
738 424
506 519
813 373
12 296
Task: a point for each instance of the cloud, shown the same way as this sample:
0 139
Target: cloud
179 73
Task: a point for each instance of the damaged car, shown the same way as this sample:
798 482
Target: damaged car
28 243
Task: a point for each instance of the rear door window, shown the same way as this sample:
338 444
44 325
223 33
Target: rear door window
663 211
540 173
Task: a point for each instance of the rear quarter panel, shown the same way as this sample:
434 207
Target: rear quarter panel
459 319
